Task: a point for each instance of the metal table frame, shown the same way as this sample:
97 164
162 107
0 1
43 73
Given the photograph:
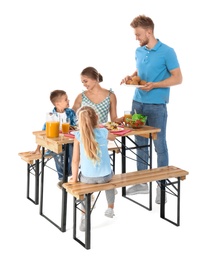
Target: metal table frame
164 184
62 227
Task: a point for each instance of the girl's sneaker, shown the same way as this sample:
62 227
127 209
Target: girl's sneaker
109 213
82 225
158 195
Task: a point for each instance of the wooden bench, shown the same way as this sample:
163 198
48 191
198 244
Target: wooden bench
33 161
82 192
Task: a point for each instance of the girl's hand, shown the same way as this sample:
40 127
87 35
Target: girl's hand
71 180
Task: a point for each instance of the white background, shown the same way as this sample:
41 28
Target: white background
44 46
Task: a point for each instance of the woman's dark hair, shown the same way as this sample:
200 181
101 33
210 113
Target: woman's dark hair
92 73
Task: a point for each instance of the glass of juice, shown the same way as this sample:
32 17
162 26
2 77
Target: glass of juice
65 125
52 125
127 114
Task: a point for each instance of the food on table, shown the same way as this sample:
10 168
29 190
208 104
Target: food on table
111 126
136 80
72 127
137 120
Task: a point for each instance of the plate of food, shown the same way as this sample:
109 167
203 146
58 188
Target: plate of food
135 82
118 129
113 127
72 127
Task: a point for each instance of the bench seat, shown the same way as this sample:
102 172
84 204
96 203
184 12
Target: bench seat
79 189
82 192
29 157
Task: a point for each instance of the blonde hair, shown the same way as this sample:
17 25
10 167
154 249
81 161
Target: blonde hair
142 21
87 121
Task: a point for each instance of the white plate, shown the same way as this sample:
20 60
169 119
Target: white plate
134 86
116 130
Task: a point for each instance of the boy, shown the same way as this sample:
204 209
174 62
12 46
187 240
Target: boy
60 101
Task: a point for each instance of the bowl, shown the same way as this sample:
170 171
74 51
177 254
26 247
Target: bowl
136 124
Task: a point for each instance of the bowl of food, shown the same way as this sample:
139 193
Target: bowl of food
137 121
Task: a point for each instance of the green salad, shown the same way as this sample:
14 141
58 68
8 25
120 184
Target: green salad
137 120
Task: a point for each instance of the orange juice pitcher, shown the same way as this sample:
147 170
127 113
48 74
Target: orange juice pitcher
52 125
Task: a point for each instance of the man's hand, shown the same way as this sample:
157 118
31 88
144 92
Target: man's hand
125 79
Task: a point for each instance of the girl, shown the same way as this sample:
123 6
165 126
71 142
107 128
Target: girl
91 153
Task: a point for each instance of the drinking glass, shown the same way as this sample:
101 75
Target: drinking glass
65 125
127 114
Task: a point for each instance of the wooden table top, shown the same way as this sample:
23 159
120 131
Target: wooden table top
144 131
55 144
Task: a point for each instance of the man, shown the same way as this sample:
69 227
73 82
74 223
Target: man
158 66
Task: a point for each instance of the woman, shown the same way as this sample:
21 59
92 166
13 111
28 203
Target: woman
103 100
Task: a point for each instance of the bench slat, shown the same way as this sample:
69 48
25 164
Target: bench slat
125 179
29 157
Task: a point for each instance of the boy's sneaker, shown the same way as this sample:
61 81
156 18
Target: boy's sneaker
82 225
109 213
158 191
138 189
59 184
49 153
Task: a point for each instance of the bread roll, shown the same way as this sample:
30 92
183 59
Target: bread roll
134 82
128 82
136 78
142 82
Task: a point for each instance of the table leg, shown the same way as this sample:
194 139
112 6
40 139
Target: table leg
123 166
36 182
123 160
64 193
62 227
150 167
42 182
